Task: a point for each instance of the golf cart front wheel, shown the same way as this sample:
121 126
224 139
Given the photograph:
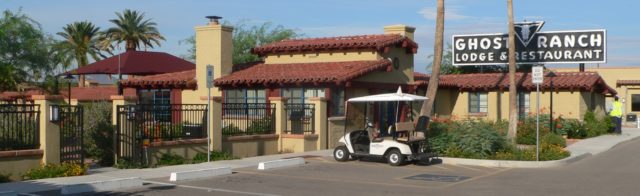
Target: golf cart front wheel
341 153
395 158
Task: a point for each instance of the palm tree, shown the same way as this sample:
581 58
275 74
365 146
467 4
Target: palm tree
427 106
132 29
81 41
513 109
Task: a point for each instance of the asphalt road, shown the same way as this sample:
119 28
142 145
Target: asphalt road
615 172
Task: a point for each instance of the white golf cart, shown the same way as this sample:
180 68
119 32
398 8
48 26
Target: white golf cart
405 142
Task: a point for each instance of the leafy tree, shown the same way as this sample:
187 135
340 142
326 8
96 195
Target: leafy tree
23 58
247 37
132 29
80 41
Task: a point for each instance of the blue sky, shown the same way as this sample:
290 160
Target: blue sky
314 18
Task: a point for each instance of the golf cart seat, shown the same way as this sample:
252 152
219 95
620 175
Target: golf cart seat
406 132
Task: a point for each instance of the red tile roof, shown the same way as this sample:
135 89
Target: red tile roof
12 95
490 81
302 73
95 93
176 80
374 42
627 82
137 63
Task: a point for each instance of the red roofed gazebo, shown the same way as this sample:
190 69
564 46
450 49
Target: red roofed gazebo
136 63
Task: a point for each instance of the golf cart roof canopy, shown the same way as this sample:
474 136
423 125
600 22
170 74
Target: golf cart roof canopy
398 96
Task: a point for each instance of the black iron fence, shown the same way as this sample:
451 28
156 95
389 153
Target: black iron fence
300 118
19 127
248 119
70 120
165 122
139 125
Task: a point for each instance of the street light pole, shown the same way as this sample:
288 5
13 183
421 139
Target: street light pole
69 77
551 75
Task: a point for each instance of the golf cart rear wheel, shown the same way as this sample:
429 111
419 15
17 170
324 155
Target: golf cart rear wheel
395 158
341 153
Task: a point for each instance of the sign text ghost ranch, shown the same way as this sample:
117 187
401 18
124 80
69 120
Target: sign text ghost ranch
587 46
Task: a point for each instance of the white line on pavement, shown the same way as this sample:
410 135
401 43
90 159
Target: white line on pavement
210 189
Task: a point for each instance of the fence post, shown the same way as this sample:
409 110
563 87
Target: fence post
320 120
49 131
280 118
116 101
215 134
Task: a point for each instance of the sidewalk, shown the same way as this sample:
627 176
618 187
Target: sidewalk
148 173
579 150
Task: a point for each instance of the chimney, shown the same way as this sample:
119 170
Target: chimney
213 47
400 29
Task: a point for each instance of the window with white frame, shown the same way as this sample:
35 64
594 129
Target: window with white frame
478 102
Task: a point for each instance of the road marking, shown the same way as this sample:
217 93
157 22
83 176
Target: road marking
342 181
210 189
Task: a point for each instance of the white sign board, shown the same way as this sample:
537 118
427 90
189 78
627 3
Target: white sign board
209 76
537 74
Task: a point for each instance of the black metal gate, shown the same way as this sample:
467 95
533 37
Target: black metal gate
140 125
71 132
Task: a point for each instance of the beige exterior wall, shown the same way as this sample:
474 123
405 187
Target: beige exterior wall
403 74
187 151
17 166
566 103
299 143
612 74
249 147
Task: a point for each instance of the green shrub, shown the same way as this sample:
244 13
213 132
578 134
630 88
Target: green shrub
527 129
547 152
5 178
128 164
513 153
171 159
231 129
215 156
552 152
553 139
101 147
572 128
56 170
99 131
595 126
470 139
260 126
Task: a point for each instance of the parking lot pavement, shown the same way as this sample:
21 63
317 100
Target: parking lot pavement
324 176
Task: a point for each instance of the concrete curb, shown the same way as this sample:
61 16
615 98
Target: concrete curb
200 173
514 164
105 185
8 193
280 163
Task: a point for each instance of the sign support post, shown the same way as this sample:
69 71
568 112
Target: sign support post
209 86
537 75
